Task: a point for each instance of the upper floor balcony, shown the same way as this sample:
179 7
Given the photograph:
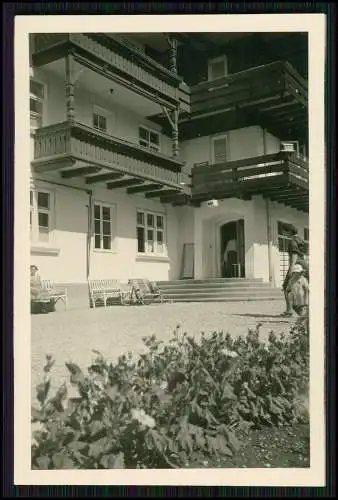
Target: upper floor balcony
273 96
282 177
115 59
75 150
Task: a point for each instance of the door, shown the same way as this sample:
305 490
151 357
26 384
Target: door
232 250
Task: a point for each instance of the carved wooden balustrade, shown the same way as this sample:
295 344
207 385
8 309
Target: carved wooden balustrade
74 142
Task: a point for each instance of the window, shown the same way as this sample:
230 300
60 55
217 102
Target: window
100 122
102 119
219 149
150 233
36 103
217 68
149 138
103 226
40 216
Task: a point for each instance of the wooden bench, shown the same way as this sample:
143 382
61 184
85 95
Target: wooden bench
142 291
106 289
54 292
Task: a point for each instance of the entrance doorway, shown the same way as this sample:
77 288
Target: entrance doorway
232 249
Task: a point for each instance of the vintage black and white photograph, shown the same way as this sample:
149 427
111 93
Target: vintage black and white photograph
169 256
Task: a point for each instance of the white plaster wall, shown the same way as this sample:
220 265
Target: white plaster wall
186 232
123 262
242 143
122 122
207 227
69 239
63 259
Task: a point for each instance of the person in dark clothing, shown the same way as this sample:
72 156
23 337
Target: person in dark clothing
296 283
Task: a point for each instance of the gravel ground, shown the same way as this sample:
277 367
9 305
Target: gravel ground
72 335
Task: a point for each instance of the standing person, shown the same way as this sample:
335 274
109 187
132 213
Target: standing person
296 283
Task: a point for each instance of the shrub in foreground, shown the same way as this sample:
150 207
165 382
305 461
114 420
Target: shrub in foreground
178 402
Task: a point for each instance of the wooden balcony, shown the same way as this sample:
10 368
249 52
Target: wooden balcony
115 59
77 151
273 96
282 177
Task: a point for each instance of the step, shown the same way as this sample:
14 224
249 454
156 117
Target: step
222 291
217 295
215 287
210 280
227 299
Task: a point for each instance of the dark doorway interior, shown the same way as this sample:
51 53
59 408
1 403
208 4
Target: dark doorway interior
232 249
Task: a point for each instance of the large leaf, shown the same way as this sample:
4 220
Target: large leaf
77 446
231 438
228 393
99 447
112 392
42 391
77 376
43 462
36 415
62 461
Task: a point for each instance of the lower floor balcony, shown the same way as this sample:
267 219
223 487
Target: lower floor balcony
282 177
77 151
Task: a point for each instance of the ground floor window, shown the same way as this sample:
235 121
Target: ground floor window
150 233
41 215
103 226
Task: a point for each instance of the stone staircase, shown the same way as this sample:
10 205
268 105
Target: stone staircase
219 290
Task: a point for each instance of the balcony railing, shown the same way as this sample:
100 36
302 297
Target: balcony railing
112 56
281 176
277 79
54 144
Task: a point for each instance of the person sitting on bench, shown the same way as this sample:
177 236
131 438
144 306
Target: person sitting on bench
39 296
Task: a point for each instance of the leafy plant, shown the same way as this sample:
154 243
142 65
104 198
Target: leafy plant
178 403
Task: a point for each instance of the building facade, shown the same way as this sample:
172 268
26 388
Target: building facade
144 167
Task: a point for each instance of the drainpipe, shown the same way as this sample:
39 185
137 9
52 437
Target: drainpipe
268 220
89 231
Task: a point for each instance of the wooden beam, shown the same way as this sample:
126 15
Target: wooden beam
104 177
53 165
160 192
124 183
79 172
140 189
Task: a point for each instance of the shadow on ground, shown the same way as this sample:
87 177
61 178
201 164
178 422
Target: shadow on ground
272 318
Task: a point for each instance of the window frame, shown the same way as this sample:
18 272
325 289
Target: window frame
146 227
103 113
112 207
35 210
33 115
153 131
216 138
223 58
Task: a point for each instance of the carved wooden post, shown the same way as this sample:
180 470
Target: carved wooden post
70 88
174 136
172 54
